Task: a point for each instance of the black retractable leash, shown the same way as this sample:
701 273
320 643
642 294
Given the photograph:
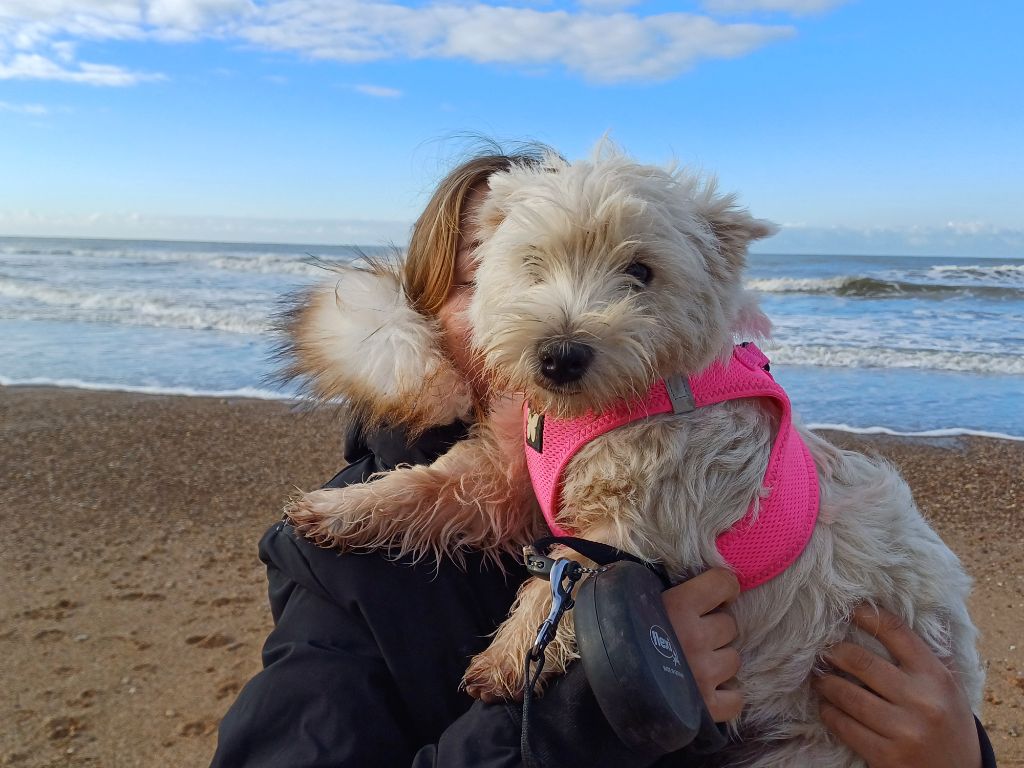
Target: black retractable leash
630 655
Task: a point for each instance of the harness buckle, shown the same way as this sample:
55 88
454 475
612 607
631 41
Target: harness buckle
680 394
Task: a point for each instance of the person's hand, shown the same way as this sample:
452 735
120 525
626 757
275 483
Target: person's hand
911 713
705 632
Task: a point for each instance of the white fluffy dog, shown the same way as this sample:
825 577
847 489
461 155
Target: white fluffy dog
643 267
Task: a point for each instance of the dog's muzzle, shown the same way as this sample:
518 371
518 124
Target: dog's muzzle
564 362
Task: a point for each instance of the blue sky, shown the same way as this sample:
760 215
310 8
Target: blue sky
873 127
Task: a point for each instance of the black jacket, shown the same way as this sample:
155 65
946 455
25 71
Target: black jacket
363 666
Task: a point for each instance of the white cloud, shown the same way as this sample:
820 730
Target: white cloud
64 50
379 91
952 239
36 110
607 5
602 40
795 7
32 66
601 47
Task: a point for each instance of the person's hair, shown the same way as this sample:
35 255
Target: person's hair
428 269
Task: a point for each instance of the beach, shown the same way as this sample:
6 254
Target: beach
134 607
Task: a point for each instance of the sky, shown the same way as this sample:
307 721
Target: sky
859 126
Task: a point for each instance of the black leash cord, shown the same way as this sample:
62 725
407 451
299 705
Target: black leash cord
530 682
602 554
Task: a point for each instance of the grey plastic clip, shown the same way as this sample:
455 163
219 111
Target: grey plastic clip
680 394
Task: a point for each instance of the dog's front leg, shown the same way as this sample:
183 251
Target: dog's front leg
471 497
497 673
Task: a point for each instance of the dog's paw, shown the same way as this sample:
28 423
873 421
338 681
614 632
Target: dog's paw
332 517
491 678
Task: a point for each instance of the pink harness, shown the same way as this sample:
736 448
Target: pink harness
777 526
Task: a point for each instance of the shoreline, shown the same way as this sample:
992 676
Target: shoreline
266 395
135 605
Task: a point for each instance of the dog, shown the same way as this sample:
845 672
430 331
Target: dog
596 279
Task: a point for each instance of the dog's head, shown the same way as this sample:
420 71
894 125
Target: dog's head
596 277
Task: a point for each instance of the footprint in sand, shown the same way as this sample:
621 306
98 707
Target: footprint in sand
203 727
149 597
84 700
56 612
50 635
229 688
63 727
216 640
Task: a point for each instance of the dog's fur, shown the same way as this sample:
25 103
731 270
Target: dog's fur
556 241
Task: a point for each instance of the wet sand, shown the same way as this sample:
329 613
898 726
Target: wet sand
133 606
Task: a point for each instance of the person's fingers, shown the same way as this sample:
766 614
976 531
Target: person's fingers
905 646
860 704
853 734
871 669
716 668
724 705
703 593
718 630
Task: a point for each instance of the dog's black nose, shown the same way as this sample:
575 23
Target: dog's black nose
565 361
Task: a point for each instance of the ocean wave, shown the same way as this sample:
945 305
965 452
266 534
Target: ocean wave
881 357
861 286
129 309
102 386
271 265
996 274
946 432
283 263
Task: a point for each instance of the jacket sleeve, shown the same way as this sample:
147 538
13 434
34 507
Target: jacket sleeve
326 698
566 728
988 755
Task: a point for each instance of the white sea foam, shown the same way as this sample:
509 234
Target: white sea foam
881 357
102 386
795 284
310 264
992 274
271 264
948 432
937 282
130 308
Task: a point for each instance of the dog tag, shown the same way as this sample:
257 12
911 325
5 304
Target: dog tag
535 430
680 394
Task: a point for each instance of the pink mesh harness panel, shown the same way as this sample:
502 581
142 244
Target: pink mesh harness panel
778 524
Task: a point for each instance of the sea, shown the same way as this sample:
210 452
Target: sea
928 346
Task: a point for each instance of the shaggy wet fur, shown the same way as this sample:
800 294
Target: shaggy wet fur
558 263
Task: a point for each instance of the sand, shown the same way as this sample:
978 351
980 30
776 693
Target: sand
133 606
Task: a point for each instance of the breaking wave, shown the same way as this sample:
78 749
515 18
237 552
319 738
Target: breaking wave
946 432
881 357
307 264
879 288
101 386
52 303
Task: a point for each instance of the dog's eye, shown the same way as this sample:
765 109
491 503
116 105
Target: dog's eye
639 272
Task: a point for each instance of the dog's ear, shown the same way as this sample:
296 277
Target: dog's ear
749 321
355 338
506 188
496 204
732 227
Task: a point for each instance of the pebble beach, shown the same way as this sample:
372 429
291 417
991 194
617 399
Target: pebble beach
133 606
